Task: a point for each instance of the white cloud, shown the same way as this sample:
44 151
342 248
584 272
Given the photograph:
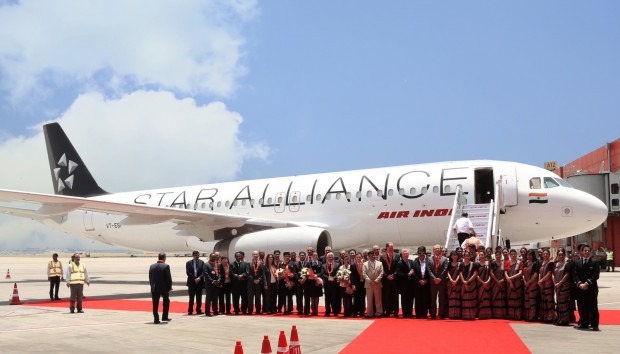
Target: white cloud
142 140
191 47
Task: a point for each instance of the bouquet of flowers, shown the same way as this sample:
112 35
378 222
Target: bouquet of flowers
280 273
343 274
306 273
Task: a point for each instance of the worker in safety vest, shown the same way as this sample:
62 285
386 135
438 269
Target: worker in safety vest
76 277
54 275
610 260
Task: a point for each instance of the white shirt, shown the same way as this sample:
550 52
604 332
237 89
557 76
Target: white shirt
463 225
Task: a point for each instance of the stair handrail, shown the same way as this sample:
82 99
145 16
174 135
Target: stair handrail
457 206
490 223
496 211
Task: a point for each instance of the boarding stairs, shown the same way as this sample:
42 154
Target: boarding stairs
484 218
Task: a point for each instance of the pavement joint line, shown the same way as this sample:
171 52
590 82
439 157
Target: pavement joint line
81 325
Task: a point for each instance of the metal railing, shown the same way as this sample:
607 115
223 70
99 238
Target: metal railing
457 207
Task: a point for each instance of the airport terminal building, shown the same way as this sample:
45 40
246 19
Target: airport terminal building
598 173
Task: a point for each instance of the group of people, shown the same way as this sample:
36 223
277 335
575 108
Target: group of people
469 283
76 277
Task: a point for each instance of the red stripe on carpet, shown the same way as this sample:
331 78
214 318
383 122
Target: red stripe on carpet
608 317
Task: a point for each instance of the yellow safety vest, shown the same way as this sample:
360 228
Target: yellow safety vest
54 269
610 255
77 274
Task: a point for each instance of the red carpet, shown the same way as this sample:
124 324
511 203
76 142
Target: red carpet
451 336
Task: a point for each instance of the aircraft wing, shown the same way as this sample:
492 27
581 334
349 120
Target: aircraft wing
201 224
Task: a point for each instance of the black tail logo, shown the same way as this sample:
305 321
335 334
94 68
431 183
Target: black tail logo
69 173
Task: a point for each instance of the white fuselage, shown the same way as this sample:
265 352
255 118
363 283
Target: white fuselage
408 205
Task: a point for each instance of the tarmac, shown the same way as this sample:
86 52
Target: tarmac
31 329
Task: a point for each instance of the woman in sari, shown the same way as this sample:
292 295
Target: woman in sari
513 272
454 287
530 277
469 291
484 288
498 290
546 284
562 282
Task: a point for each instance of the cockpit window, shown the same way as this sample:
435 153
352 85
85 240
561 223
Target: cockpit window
551 183
535 183
563 183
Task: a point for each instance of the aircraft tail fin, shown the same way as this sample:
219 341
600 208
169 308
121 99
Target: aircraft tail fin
69 173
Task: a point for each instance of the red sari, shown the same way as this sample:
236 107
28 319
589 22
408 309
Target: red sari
498 291
562 292
515 292
530 303
454 293
484 294
547 294
469 292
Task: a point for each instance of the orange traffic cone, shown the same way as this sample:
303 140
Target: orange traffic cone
15 297
282 347
8 274
238 348
266 346
294 347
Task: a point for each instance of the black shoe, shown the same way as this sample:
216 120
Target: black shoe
581 328
166 319
191 313
51 299
80 311
200 313
57 298
208 315
156 322
596 329
72 311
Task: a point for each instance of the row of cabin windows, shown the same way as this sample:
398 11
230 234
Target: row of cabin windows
318 197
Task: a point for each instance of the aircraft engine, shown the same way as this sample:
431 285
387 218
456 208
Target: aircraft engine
289 239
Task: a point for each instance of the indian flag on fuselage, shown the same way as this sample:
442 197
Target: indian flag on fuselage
540 198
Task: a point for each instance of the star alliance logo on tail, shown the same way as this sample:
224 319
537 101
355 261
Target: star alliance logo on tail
68 182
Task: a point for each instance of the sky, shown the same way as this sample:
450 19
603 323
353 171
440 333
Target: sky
211 91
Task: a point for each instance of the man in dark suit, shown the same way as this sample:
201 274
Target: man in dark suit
239 271
286 286
585 275
422 288
390 289
194 270
330 285
404 277
256 281
438 266
212 279
299 286
161 285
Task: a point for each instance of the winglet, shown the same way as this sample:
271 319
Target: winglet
69 173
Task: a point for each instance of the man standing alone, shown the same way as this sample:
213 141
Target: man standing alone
54 275
585 277
161 286
76 277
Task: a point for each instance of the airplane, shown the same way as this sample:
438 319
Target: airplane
409 205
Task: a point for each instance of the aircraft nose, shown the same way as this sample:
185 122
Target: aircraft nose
593 210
